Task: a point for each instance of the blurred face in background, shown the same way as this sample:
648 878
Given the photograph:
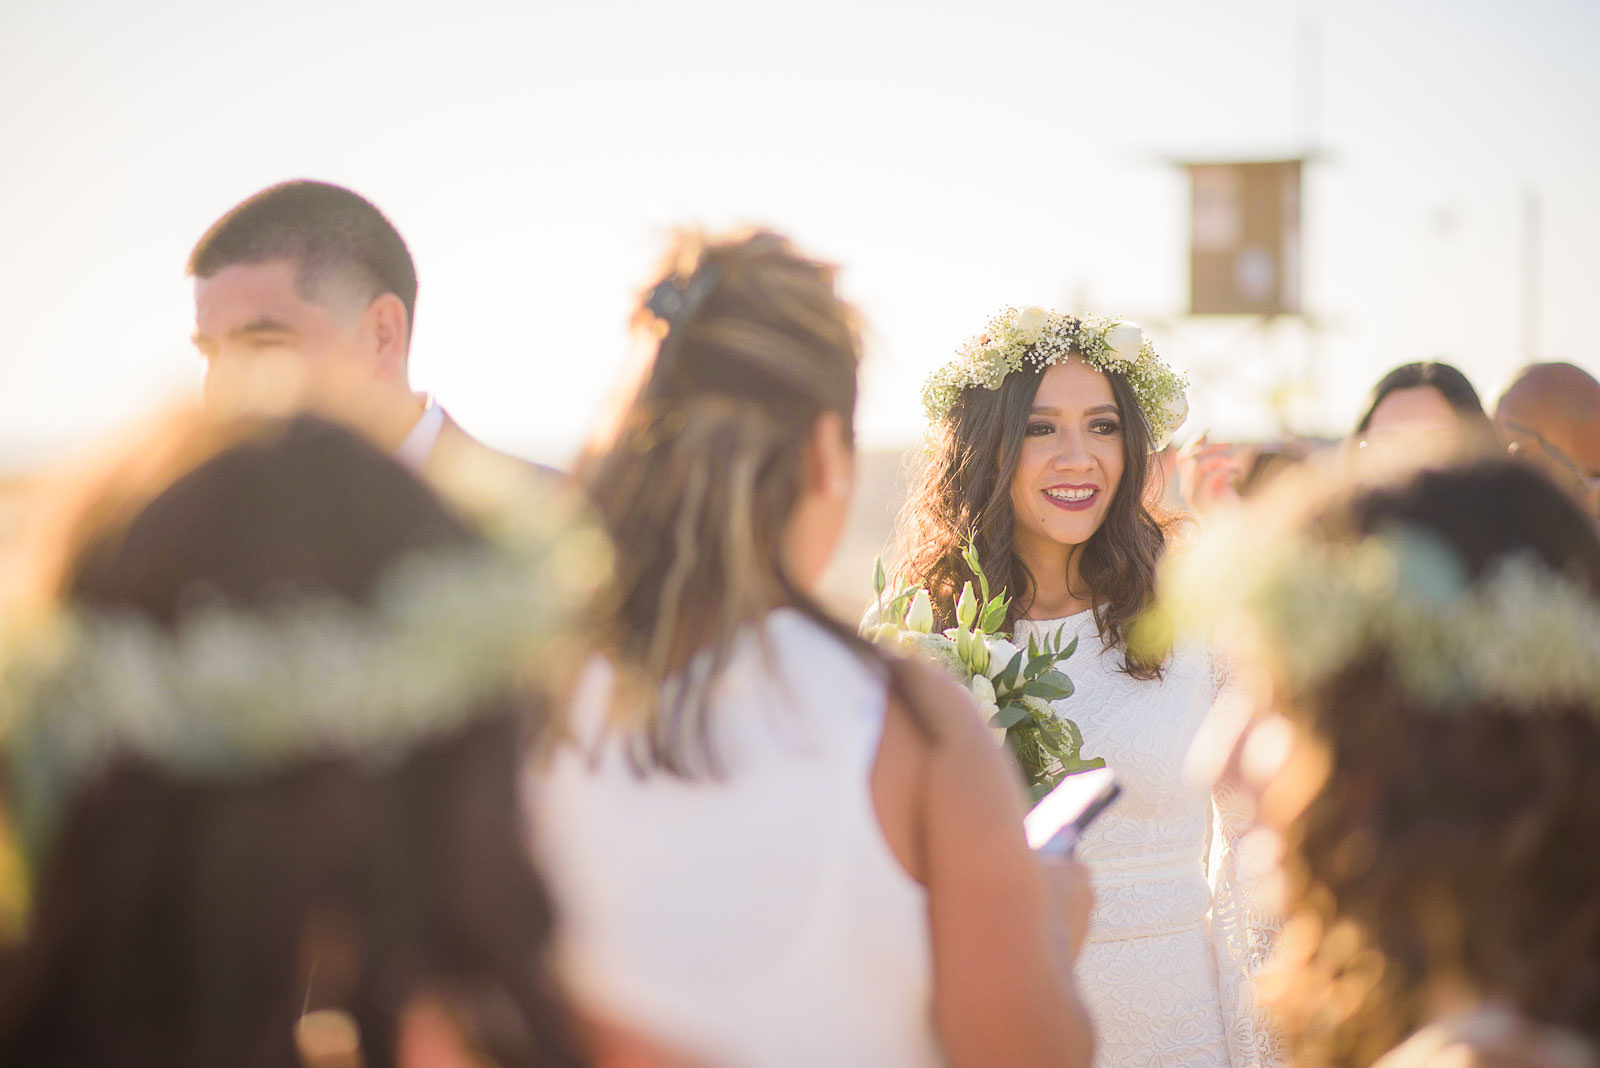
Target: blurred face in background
249 313
267 345
1557 450
1418 414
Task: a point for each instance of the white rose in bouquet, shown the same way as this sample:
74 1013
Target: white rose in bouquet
1000 653
983 692
1123 342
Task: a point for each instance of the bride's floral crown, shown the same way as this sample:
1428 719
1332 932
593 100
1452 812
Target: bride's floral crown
1521 637
1036 338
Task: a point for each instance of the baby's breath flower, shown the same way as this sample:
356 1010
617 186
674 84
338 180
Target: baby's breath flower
1033 338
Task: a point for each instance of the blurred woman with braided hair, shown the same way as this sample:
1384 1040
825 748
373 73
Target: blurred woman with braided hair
770 844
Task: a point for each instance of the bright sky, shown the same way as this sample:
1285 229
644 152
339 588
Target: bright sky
953 157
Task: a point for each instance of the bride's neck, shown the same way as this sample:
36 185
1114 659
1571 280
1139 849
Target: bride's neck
1057 588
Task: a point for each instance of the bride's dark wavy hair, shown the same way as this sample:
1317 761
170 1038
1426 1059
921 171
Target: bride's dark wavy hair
964 487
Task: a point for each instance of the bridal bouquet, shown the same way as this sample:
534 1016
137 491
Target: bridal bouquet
1013 686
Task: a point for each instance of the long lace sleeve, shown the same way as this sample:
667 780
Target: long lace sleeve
1244 926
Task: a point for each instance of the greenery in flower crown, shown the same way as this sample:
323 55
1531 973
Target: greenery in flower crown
1521 637
1034 338
1013 687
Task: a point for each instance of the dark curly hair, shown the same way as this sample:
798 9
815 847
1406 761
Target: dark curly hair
1442 851
964 488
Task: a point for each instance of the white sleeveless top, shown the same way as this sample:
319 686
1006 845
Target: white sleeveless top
757 919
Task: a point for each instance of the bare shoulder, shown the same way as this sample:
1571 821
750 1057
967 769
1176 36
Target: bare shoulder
963 757
949 712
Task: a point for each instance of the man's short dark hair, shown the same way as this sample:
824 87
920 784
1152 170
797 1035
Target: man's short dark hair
329 233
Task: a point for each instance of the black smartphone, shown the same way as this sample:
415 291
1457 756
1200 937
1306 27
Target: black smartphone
1057 822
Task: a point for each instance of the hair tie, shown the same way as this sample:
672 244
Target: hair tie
676 299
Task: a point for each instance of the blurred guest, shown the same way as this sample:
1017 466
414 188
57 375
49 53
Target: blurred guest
1423 731
1211 473
770 845
262 736
1431 403
1272 461
309 278
1550 415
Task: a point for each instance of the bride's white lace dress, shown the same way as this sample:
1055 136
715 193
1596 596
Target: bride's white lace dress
1175 935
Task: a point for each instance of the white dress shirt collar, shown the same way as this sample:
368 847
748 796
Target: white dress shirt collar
418 446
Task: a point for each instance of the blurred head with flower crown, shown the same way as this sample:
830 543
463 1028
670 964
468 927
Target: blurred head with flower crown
1418 666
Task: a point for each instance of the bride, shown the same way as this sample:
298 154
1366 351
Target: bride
1042 433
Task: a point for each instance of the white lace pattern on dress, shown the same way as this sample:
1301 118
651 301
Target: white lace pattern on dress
1165 984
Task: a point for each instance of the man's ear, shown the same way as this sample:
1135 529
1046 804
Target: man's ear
389 328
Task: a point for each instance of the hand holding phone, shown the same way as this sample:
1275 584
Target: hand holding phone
1057 822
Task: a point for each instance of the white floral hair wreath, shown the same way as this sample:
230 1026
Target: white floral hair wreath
1036 338
1521 637
236 693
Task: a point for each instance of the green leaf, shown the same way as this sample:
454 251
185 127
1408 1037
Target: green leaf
1058 680
1008 675
1074 735
1085 765
969 553
1071 648
994 614
1047 691
1039 664
879 579
1008 717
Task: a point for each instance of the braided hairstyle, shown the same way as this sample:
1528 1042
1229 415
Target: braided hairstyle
699 475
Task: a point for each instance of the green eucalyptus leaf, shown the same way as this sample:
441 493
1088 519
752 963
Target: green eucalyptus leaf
1086 765
1008 716
1044 690
1058 680
1008 674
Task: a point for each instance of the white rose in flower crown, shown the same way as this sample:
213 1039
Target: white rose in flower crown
1123 342
1028 324
1172 417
